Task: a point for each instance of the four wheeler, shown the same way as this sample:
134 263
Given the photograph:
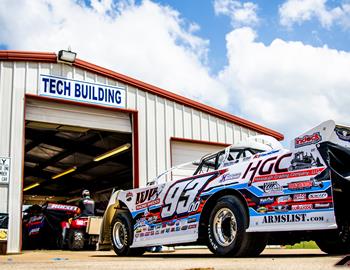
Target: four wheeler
77 235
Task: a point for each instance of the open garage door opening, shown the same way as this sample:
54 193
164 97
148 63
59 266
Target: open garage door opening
69 149
61 161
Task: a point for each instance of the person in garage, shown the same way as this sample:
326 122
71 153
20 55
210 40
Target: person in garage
86 204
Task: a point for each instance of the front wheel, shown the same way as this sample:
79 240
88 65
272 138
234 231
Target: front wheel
226 227
122 236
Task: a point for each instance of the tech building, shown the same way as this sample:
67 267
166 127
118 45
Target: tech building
73 125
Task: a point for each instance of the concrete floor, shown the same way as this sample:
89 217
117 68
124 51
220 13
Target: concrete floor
189 259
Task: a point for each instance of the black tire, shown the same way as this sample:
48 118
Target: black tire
221 239
76 240
122 236
253 244
335 242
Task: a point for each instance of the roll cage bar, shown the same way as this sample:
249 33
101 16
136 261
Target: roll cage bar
213 161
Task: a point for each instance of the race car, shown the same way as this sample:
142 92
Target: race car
242 198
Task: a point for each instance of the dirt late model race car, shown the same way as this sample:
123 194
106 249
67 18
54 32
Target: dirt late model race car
242 198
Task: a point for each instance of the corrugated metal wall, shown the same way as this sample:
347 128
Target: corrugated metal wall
159 120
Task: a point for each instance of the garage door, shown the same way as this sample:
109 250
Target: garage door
184 152
51 112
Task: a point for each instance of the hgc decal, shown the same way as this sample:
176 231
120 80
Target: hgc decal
268 166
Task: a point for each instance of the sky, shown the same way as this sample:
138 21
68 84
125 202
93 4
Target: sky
284 64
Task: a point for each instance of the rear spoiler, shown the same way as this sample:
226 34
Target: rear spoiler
326 131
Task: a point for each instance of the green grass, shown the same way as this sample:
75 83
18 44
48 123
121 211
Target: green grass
303 245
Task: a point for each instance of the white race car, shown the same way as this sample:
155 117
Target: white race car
242 198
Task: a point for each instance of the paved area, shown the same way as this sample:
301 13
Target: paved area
184 259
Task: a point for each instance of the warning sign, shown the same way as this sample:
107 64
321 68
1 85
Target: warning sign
4 170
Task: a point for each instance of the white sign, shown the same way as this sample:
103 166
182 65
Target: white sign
81 91
4 170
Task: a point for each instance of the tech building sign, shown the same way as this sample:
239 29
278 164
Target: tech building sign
58 87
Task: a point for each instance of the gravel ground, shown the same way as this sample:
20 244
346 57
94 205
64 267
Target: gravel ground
184 259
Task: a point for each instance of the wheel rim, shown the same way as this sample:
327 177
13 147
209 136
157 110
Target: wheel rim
119 235
225 227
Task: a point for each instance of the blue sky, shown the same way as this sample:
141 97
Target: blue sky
284 64
215 27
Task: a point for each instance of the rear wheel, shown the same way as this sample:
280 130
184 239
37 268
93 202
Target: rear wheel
226 227
122 236
76 240
335 241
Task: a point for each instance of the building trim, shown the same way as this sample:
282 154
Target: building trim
176 139
52 58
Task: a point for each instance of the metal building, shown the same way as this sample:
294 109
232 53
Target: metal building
57 118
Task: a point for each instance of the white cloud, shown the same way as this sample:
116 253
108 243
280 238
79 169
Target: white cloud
148 41
299 11
241 14
287 85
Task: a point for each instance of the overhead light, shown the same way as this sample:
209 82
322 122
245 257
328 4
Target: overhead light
31 186
42 125
113 152
73 129
67 57
64 173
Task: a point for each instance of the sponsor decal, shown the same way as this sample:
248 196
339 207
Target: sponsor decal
286 218
343 134
272 187
191 220
3 234
290 218
63 207
300 185
288 175
280 208
147 198
266 154
267 200
262 209
322 205
308 140
129 196
283 199
34 231
228 177
266 167
192 226
318 196
302 207
299 197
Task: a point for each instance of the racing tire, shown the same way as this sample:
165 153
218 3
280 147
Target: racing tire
76 240
226 227
122 236
253 244
335 242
